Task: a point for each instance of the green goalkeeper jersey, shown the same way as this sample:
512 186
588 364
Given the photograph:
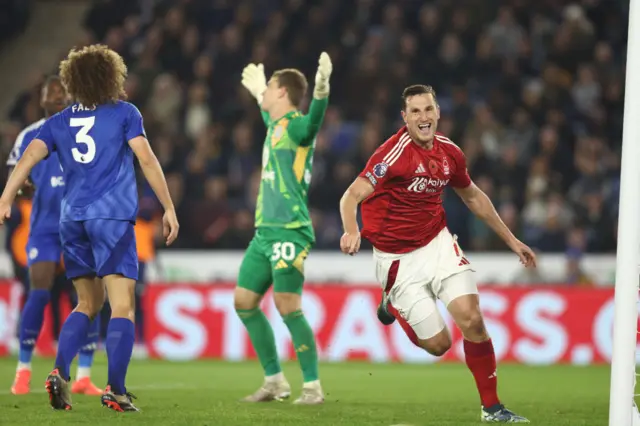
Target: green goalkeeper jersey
287 161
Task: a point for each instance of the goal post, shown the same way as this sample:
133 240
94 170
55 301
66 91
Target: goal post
622 409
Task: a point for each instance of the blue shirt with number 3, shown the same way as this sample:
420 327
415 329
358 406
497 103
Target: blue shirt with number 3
93 149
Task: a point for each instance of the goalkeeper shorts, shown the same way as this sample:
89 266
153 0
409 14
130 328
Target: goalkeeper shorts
275 256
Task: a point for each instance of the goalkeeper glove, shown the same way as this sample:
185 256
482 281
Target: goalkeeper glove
325 67
254 80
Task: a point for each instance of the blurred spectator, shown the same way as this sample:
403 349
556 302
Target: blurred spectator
533 94
14 17
506 34
576 243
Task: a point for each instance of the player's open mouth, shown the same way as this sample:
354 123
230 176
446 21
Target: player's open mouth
424 127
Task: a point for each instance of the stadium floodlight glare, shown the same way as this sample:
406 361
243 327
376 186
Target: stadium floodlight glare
622 410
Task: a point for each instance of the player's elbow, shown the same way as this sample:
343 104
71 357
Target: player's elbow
358 191
35 152
472 196
146 158
143 152
351 197
147 162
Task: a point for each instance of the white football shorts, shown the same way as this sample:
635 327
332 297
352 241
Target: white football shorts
414 280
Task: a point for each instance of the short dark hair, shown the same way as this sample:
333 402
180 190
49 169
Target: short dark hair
417 89
94 75
51 79
295 82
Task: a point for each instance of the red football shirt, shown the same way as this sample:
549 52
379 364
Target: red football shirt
405 210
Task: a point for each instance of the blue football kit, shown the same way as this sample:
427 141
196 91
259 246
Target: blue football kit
100 202
47 177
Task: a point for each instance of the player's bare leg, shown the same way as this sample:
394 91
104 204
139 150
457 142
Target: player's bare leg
275 386
92 289
90 300
479 352
430 331
437 345
289 306
119 342
41 277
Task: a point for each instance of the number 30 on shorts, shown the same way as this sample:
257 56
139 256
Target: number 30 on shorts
286 251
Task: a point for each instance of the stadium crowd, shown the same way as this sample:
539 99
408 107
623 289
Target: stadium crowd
531 90
14 16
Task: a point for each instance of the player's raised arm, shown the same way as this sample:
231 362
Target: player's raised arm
320 94
155 176
303 130
254 80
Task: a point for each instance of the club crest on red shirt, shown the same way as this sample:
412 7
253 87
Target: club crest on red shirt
380 169
445 167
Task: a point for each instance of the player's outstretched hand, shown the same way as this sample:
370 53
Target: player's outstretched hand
254 80
5 211
524 252
325 68
170 226
350 243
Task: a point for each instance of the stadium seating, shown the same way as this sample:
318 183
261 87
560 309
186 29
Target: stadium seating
533 94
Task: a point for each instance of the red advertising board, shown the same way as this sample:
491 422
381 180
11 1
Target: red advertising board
11 302
531 325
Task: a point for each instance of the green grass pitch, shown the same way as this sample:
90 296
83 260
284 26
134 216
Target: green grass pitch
206 393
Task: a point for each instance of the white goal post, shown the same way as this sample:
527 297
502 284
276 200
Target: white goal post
622 409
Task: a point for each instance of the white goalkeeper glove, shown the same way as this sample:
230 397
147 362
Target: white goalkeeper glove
325 67
254 80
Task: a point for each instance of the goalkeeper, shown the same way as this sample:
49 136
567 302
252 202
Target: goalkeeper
284 233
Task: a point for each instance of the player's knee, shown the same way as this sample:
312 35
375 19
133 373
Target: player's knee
287 287
122 305
471 324
244 299
287 303
88 307
437 345
42 275
40 284
98 299
122 309
120 290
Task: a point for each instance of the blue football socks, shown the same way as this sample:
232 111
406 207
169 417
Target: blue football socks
31 322
119 345
72 336
90 344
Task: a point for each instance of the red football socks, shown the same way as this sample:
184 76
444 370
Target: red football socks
481 360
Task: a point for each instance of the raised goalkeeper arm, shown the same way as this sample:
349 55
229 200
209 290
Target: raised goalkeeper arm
305 129
254 80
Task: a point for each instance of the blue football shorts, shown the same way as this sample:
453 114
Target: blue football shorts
43 248
99 247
